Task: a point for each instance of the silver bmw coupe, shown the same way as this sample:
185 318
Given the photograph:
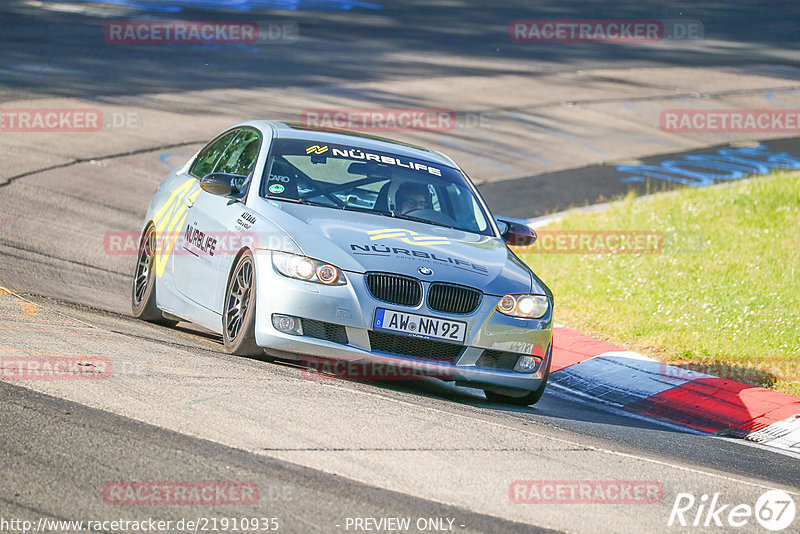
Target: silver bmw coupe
305 243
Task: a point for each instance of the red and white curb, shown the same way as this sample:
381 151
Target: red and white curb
645 386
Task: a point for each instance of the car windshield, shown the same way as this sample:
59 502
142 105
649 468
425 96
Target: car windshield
360 179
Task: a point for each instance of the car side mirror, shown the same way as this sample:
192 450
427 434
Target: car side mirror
222 183
516 234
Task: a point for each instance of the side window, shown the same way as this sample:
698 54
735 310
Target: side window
208 157
240 155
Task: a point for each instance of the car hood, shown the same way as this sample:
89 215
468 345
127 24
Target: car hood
361 242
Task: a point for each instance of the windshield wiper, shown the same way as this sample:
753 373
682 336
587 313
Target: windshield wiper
426 221
312 203
363 209
300 201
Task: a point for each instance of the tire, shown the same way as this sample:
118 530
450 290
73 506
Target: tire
143 290
239 312
529 399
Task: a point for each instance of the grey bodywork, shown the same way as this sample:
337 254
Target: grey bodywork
192 286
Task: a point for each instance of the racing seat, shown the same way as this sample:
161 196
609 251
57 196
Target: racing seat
382 202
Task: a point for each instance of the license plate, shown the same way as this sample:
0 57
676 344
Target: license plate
420 325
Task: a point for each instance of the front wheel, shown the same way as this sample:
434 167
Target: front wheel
239 316
524 399
143 294
528 399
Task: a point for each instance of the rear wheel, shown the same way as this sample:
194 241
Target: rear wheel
239 316
143 294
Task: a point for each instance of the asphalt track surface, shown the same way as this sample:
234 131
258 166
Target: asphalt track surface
177 408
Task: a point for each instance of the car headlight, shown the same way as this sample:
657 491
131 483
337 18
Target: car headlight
308 269
526 306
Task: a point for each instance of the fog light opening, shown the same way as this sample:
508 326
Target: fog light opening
527 364
287 324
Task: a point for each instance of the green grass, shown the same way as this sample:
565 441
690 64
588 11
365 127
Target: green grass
723 295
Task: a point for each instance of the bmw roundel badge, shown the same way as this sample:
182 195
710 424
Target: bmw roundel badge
427 271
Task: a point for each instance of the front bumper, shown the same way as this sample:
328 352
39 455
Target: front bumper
491 337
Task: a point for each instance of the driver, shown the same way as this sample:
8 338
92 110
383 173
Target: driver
412 196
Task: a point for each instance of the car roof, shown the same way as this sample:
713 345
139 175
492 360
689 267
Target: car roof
287 130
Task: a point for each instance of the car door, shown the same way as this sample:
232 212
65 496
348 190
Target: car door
197 263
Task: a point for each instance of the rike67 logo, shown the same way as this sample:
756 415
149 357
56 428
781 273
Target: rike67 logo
774 510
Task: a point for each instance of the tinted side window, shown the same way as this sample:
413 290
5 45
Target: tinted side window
208 157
